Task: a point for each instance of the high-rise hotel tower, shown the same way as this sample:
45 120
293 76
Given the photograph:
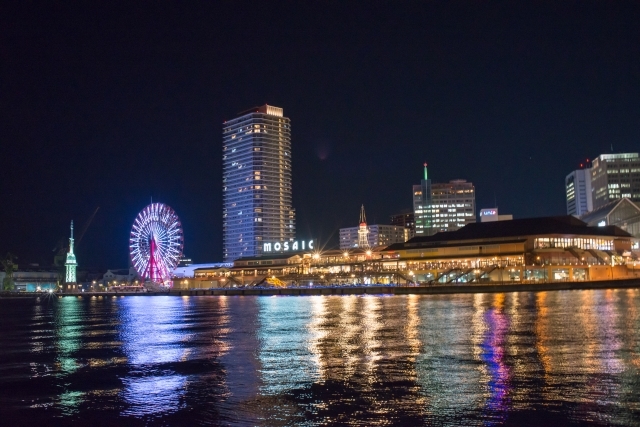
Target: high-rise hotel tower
256 182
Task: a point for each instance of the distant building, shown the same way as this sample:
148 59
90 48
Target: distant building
491 214
615 176
578 192
120 276
421 206
453 205
184 261
379 235
257 206
406 220
622 213
33 278
370 236
443 207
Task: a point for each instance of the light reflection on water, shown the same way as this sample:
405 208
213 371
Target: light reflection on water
552 358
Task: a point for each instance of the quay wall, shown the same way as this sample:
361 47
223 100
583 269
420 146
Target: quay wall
368 290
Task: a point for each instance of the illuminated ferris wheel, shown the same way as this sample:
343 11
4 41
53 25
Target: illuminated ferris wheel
155 243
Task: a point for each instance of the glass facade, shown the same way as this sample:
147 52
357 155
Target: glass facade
257 205
573 242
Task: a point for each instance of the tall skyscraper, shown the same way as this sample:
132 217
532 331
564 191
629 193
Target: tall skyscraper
615 176
578 190
443 207
256 183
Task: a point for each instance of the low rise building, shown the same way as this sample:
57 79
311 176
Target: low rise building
524 250
622 213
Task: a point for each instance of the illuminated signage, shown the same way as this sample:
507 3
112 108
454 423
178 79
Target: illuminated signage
488 212
288 246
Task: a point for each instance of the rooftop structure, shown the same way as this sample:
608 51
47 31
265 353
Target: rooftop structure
622 213
615 176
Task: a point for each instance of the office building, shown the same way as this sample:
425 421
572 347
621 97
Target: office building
257 205
453 205
421 206
443 207
578 191
405 219
615 176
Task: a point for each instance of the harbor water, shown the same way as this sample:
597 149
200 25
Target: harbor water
517 359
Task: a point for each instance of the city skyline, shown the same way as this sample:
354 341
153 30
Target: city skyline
109 106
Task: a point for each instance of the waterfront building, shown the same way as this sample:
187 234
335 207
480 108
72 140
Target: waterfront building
622 213
491 214
257 205
527 250
405 219
33 278
615 176
578 192
117 277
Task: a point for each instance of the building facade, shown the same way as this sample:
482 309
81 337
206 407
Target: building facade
377 235
406 220
531 250
257 204
578 192
421 205
615 176
453 205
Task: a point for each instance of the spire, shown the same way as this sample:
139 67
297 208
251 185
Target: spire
425 171
363 217
71 239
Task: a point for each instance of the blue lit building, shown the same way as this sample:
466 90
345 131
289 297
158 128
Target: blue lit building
256 184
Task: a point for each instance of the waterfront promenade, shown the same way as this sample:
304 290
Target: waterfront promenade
364 290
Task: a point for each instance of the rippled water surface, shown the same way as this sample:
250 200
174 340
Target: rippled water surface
548 358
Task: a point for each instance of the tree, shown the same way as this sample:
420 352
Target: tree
9 268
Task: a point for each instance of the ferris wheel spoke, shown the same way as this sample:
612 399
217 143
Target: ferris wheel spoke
157 222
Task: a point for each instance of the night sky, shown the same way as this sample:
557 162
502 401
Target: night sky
109 104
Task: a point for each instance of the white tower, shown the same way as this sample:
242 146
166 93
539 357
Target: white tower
71 263
363 231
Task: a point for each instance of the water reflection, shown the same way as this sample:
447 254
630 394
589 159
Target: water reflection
493 355
554 358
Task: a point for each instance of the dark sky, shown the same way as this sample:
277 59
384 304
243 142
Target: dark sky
109 104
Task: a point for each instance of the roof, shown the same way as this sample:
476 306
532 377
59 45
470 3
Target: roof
514 228
600 213
270 256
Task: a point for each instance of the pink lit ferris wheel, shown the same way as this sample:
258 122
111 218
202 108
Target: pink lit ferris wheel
155 243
